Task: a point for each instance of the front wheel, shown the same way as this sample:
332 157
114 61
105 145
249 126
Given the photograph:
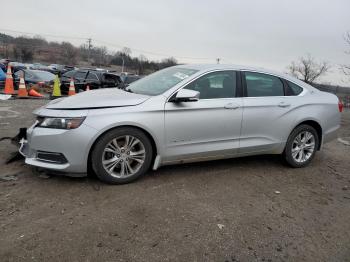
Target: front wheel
301 146
122 155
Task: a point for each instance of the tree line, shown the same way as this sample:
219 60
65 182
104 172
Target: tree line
38 49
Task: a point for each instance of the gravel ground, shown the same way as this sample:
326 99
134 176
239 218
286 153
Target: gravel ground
246 209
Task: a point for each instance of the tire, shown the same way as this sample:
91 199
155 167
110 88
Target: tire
115 162
293 152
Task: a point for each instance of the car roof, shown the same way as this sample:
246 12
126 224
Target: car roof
209 67
35 71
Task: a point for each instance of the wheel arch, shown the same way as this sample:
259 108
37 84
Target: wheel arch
316 125
148 134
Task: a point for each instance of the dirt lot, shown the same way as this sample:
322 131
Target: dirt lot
215 211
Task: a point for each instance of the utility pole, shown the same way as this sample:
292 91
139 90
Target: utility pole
218 60
89 47
122 65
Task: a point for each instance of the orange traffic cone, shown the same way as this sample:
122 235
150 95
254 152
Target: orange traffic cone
71 90
34 93
22 90
9 90
87 88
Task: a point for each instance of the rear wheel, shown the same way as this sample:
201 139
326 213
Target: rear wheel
122 155
301 146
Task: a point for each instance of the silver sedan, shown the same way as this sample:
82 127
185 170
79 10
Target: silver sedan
182 114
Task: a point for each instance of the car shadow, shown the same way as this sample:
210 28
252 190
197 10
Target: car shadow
252 162
257 162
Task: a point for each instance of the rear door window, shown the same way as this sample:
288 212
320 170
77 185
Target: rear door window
80 75
69 74
92 77
111 80
258 85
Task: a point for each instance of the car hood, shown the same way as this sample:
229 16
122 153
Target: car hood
100 98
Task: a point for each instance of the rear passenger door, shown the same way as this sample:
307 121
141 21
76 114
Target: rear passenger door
266 113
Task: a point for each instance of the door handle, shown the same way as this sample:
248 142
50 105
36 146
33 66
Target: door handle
283 104
231 106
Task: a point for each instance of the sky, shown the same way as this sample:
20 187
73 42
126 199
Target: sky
264 33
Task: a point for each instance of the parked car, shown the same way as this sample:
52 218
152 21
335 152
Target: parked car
70 68
183 114
127 79
2 75
3 67
28 65
34 77
60 69
3 64
5 61
16 66
2 78
88 77
39 66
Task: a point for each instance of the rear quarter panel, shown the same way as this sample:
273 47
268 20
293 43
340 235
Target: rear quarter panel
318 106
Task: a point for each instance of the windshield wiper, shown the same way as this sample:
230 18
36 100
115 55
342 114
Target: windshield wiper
128 90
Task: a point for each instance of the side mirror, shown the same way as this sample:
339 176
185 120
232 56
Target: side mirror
186 95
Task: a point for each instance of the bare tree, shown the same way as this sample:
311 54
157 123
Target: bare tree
142 61
307 69
26 54
167 62
126 51
99 55
69 53
346 68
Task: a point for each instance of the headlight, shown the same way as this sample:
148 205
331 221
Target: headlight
60 122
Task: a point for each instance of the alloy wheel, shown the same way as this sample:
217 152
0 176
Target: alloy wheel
123 156
303 146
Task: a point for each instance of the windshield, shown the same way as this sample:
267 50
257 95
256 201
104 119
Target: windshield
161 81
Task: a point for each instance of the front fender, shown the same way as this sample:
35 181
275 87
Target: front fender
150 122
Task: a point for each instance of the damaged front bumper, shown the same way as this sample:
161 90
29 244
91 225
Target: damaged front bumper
23 147
63 151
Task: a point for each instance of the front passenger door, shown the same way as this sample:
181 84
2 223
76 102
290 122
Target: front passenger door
210 127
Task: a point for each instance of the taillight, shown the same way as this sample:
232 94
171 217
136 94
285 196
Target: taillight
340 106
